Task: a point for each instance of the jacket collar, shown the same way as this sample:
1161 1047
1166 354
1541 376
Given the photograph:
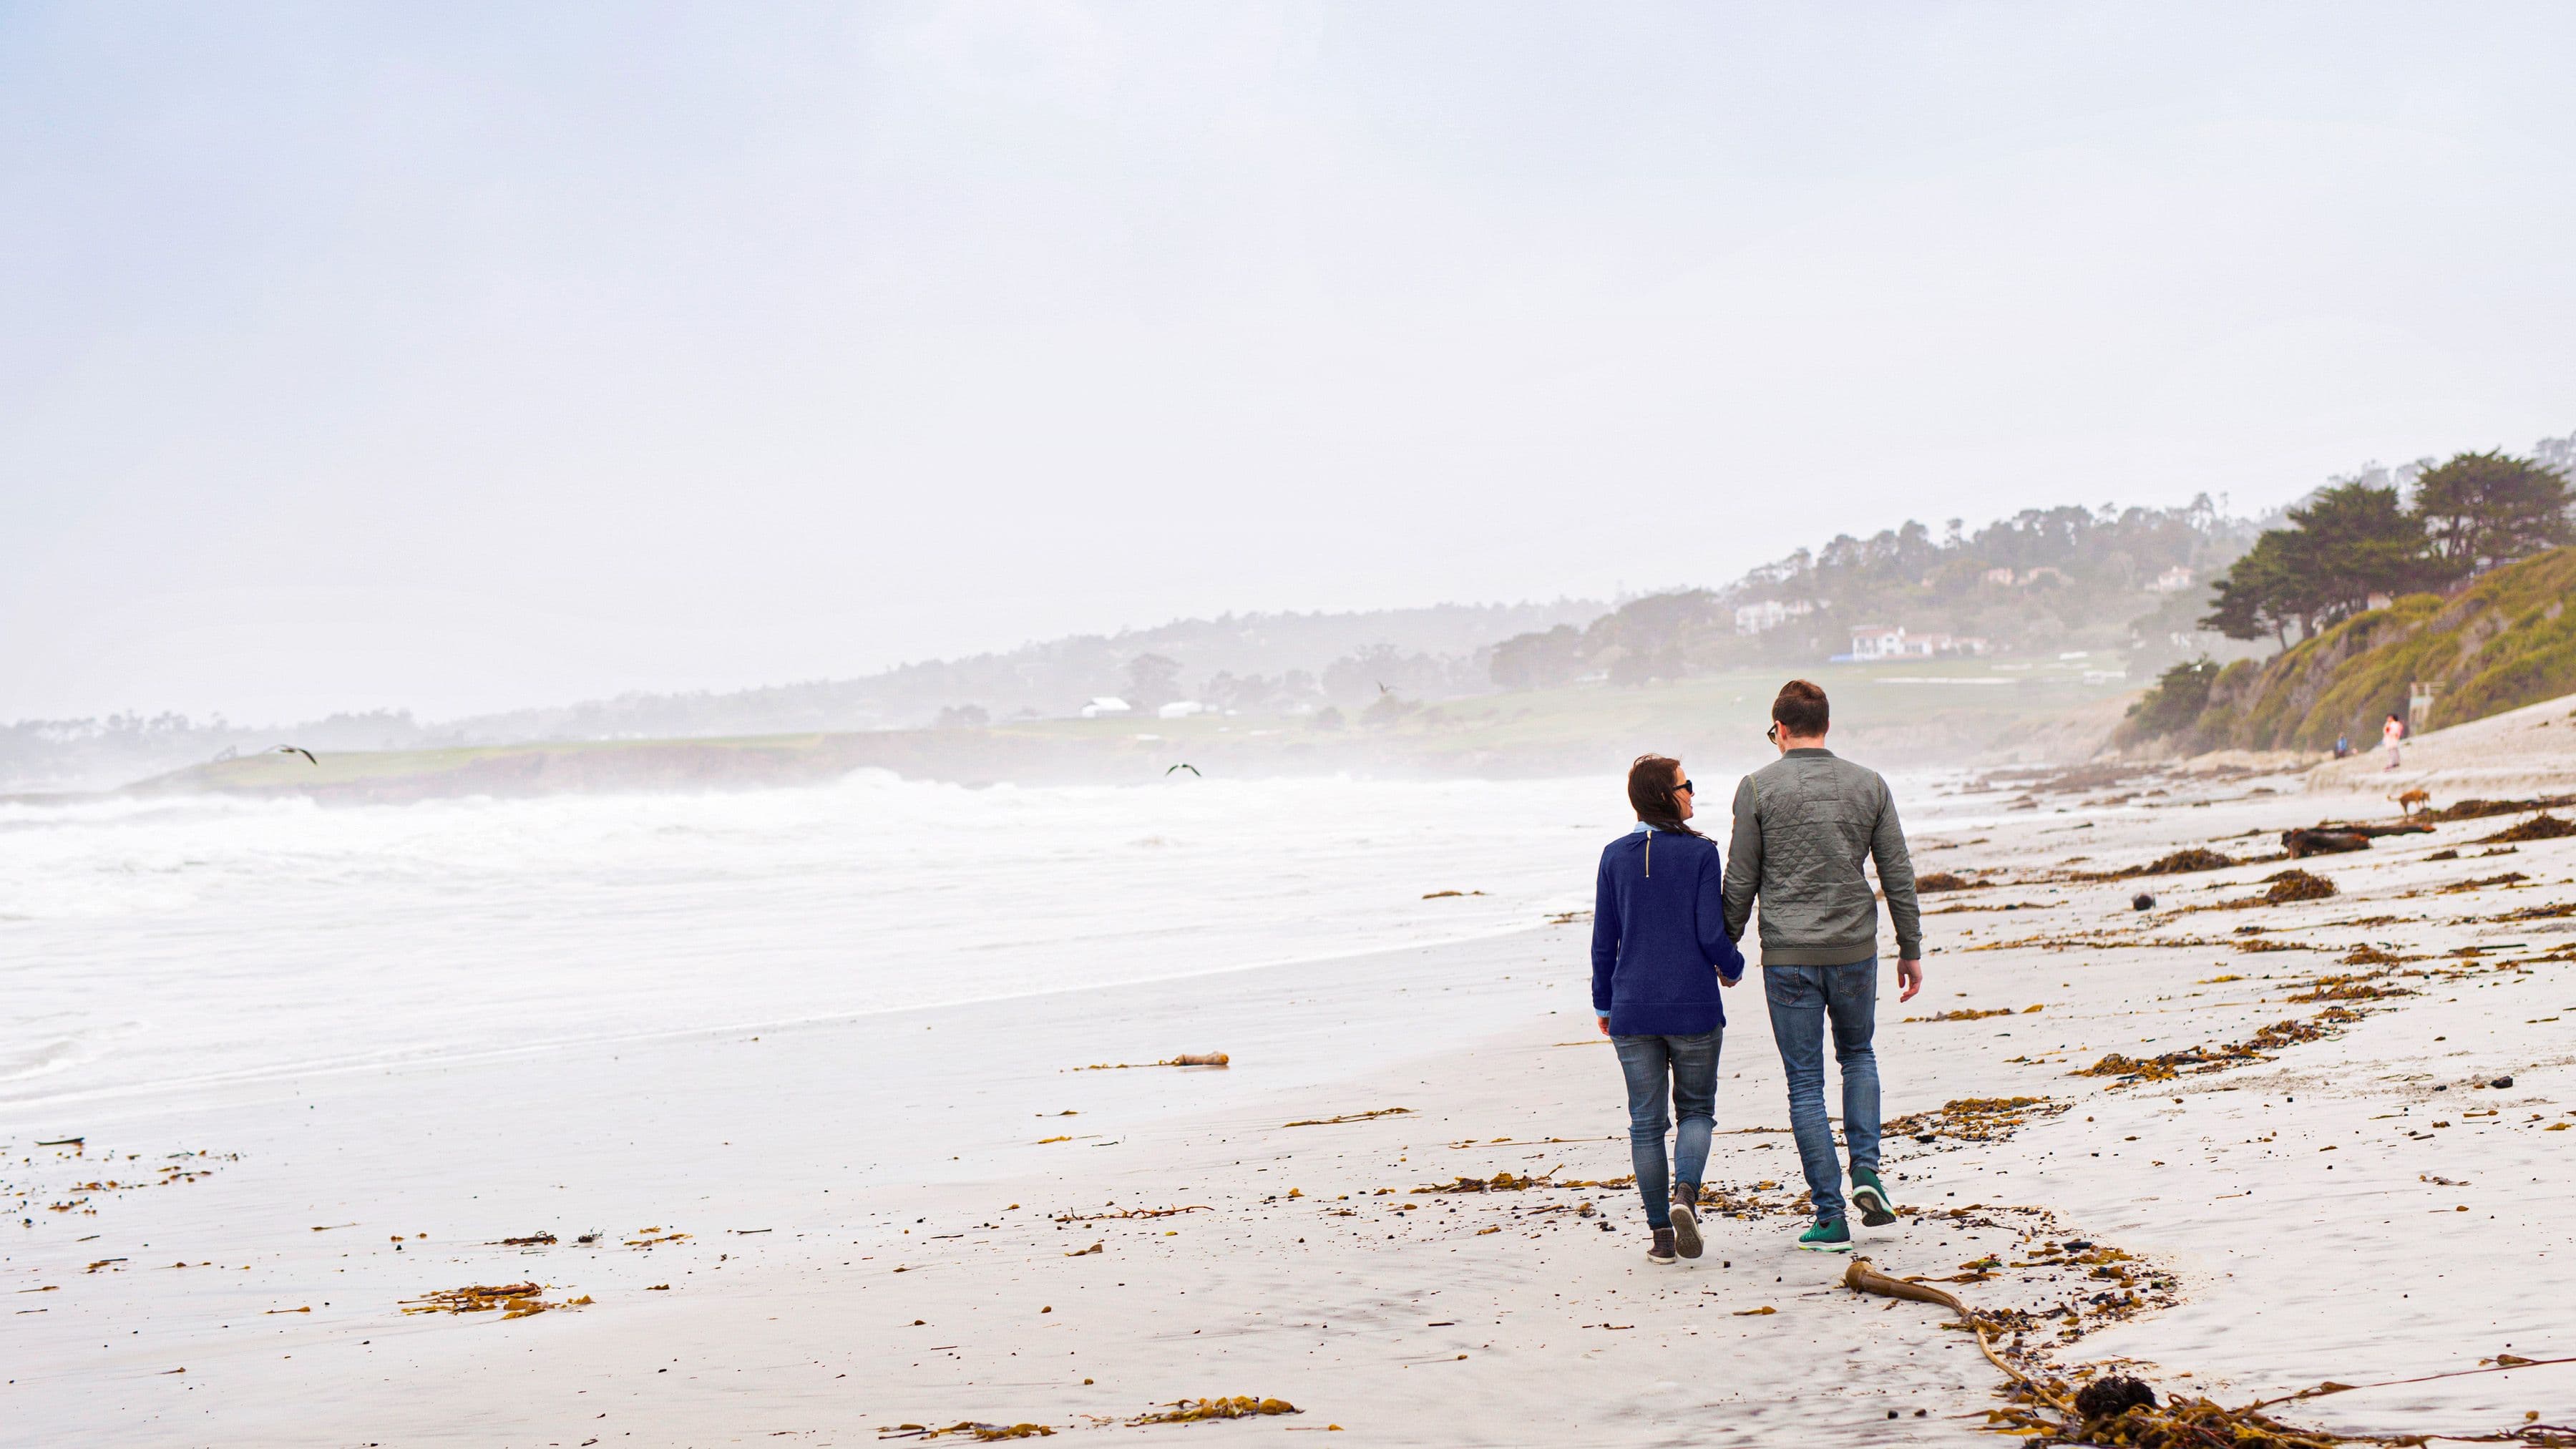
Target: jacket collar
1808 752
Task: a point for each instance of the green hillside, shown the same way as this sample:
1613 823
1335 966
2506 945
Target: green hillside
2505 641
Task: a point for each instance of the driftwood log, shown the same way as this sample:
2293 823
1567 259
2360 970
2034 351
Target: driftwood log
2304 843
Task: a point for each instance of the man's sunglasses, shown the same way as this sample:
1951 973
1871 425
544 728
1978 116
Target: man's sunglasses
1773 733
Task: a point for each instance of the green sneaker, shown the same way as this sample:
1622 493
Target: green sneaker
1829 1235
1877 1210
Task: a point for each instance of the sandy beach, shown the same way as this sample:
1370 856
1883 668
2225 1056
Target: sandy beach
2337 1151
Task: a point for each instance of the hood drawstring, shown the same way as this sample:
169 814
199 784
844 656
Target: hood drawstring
1650 852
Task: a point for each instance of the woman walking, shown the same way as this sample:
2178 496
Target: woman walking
1659 950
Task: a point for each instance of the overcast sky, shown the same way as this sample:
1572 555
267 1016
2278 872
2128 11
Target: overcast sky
453 357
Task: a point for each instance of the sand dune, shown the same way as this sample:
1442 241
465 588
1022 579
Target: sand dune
2528 751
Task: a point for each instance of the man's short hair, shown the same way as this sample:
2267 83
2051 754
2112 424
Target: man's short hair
1800 709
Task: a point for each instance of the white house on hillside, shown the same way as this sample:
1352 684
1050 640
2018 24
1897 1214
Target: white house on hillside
1104 704
1770 614
1875 641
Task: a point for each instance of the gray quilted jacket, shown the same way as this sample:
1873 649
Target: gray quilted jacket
1803 825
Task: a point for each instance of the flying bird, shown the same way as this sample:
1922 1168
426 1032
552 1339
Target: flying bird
293 750
1382 689
1193 769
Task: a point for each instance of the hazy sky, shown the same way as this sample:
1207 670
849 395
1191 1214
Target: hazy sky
454 357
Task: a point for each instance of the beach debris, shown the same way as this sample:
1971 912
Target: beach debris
1762 1312
1499 1182
981 1433
1087 1252
533 1240
2480 809
2180 862
1965 1014
513 1300
1186 1059
2295 885
2142 901
2443 855
2356 987
2511 877
2169 1065
1973 1119
1349 1117
1443 895
2303 843
62 1141
1240 1406
654 1238
2113 1395
1169 1212
2538 827
2373 830
1942 880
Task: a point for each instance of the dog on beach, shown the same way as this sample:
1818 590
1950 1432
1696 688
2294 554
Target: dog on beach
2407 802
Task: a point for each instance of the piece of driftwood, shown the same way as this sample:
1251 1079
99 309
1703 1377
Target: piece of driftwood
2303 843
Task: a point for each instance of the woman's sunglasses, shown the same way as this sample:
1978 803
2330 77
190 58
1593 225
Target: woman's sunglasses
1685 788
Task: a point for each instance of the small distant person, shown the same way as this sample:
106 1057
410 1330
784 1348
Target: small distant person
1804 824
1659 950
2343 746
2393 734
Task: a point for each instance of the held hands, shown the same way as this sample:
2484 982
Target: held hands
1909 975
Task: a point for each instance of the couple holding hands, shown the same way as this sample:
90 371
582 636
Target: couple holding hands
1668 911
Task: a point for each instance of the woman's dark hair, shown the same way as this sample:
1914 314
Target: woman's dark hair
1650 790
1801 709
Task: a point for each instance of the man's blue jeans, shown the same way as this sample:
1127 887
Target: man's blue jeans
1687 1066
1802 1000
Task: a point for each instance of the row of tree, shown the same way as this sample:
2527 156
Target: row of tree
2356 539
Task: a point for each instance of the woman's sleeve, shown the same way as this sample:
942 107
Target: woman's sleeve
1605 936
1714 943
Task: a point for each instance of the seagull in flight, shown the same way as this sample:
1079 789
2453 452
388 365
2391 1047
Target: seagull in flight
293 750
1193 769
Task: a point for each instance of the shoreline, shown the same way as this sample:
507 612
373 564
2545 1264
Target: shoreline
2289 1197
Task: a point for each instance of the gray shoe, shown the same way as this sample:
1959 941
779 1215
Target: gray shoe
1661 1252
1686 1219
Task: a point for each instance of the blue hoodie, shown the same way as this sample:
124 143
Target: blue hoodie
1658 926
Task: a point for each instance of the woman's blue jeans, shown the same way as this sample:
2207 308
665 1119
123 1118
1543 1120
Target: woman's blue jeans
1803 999
1683 1069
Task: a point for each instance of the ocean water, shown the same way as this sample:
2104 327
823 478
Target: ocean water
159 946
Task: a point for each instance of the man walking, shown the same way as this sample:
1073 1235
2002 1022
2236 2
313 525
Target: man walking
1803 826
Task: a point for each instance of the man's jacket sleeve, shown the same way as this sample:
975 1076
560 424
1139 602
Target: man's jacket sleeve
1744 860
1714 943
1896 876
1605 937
